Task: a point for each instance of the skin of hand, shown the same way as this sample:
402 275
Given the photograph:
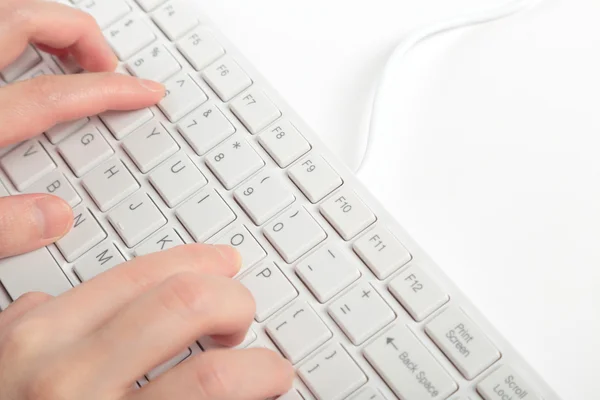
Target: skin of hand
95 341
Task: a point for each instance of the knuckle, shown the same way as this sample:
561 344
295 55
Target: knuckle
184 292
23 338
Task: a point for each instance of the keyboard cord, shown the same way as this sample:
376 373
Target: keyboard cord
428 32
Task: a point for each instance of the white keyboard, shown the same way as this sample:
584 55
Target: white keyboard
341 290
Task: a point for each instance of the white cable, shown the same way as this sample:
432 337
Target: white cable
422 34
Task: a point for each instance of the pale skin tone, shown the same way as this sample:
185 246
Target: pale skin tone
94 341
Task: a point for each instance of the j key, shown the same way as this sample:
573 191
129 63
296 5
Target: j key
255 110
242 240
122 123
59 132
226 78
56 184
200 48
361 312
294 233
150 145
27 60
136 219
182 96
205 128
110 183
332 374
85 234
161 369
177 179
105 12
264 196
205 214
347 214
382 252
208 343
101 259
315 177
162 240
175 18
154 63
85 149
505 383
270 288
233 161
284 143
26 164
129 36
327 272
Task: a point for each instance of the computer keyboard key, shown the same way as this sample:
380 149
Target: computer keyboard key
332 374
418 293
97 261
122 123
463 342
245 243
162 240
6 149
291 395
182 96
161 369
327 272
505 383
175 18
36 271
408 368
56 184
85 149
298 331
264 196
294 233
136 219
60 131
150 145
382 252
270 288
204 128
226 78
26 164
233 161
177 179
284 143
368 393
255 110
347 213
361 312
149 5
200 48
154 63
128 36
105 11
205 214
3 191
68 65
208 343
110 183
85 234
315 177
26 61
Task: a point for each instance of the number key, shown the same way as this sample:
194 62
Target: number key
315 177
263 197
154 63
182 96
205 128
233 161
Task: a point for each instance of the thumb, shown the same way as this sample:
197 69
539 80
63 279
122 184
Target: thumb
29 222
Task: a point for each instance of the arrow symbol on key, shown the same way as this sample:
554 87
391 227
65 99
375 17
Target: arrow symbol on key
391 341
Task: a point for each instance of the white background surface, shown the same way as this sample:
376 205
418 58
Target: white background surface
486 152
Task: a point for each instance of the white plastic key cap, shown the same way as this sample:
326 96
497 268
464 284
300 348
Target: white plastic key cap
505 383
332 374
382 252
315 177
136 219
462 342
182 96
361 312
208 343
294 233
418 293
149 5
3 191
298 331
270 288
109 183
327 272
242 240
233 161
200 48
27 60
255 110
205 214
150 145
36 271
128 36
122 123
284 143
175 18
368 393
55 183
161 369
162 240
226 78
176 179
26 164
204 128
408 367
85 234
264 196
97 261
347 214
105 12
85 149
291 395
59 132
154 63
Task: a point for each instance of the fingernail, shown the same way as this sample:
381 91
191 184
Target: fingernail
52 216
230 255
152 86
